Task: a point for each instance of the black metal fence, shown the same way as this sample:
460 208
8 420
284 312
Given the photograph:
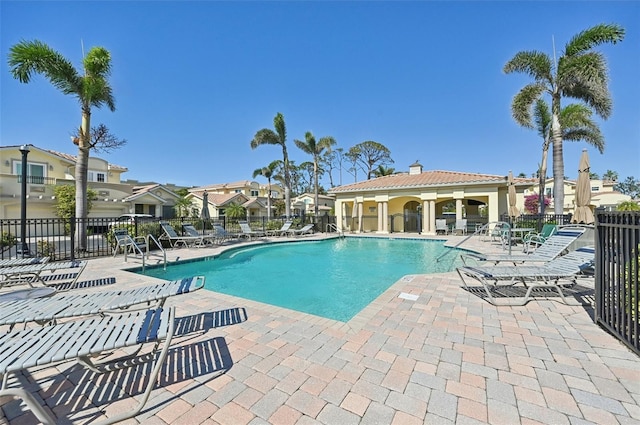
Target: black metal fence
58 239
617 263
537 221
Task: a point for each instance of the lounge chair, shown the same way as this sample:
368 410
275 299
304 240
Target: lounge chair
248 232
51 309
441 226
129 244
553 247
533 240
306 229
23 261
281 231
548 275
222 235
203 239
176 240
33 273
81 340
461 227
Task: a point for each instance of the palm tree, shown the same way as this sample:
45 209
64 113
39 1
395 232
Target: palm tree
610 175
267 136
91 88
382 171
183 206
268 172
576 124
315 149
579 73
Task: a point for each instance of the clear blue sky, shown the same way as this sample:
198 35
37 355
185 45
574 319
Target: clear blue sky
194 81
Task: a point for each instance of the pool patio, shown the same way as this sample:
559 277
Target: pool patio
446 357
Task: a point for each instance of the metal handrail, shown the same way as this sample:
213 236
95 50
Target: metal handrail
334 227
479 231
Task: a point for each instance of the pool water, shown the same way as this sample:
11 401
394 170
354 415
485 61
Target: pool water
333 278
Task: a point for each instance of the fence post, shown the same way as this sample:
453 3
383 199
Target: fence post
72 233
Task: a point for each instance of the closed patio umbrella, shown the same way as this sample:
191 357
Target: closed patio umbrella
583 213
204 214
513 210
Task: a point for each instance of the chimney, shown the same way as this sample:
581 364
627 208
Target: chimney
415 168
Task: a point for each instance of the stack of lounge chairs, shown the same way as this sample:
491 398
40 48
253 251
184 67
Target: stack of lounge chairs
103 322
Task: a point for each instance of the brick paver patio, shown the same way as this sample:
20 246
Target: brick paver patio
447 357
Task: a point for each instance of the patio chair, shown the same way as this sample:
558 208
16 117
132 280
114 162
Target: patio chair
33 273
547 275
129 244
282 230
248 232
82 340
461 227
222 235
533 240
554 246
441 226
306 229
49 310
9 262
174 239
203 239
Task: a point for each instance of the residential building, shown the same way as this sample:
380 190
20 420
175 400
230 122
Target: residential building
602 194
305 204
248 193
47 169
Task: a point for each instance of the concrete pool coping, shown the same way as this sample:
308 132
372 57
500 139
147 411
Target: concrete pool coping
446 357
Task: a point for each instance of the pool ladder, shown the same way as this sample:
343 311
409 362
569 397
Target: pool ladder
331 228
142 254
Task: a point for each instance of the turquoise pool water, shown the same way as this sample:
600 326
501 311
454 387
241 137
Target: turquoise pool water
333 278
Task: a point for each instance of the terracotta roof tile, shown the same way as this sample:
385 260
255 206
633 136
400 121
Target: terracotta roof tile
427 178
73 158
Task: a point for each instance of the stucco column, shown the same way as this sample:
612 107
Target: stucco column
426 225
458 209
385 215
380 218
432 216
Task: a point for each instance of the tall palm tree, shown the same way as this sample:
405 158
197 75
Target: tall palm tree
576 124
90 87
382 171
268 172
580 73
315 149
267 136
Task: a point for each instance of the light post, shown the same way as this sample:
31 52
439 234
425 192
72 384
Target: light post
24 149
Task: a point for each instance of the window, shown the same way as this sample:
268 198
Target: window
221 212
238 191
96 176
275 194
547 192
36 173
254 193
595 188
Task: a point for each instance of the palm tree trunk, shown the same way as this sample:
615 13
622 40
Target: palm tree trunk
269 199
558 161
315 181
82 165
542 178
287 182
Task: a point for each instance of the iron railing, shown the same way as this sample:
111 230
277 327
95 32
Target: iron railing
617 263
537 221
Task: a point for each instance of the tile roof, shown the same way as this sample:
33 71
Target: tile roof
219 199
427 178
73 158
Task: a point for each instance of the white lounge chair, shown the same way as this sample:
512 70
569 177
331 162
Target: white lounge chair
202 238
550 249
8 262
81 340
306 229
461 227
248 232
548 275
54 308
281 231
222 235
129 244
33 273
174 239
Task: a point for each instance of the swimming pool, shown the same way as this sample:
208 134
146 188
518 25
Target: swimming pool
333 278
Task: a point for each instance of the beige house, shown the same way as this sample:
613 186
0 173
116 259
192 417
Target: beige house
602 194
411 202
305 204
47 169
248 193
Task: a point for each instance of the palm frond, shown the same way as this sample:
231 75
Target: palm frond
536 64
542 117
265 136
523 101
594 36
29 57
281 128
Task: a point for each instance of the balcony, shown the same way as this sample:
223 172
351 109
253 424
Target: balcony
38 180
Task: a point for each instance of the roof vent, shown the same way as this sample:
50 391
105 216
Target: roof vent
415 168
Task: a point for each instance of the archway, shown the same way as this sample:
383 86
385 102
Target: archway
412 219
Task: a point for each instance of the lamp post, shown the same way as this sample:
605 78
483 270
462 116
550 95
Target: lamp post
24 149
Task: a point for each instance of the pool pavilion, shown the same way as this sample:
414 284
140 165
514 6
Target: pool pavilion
411 202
